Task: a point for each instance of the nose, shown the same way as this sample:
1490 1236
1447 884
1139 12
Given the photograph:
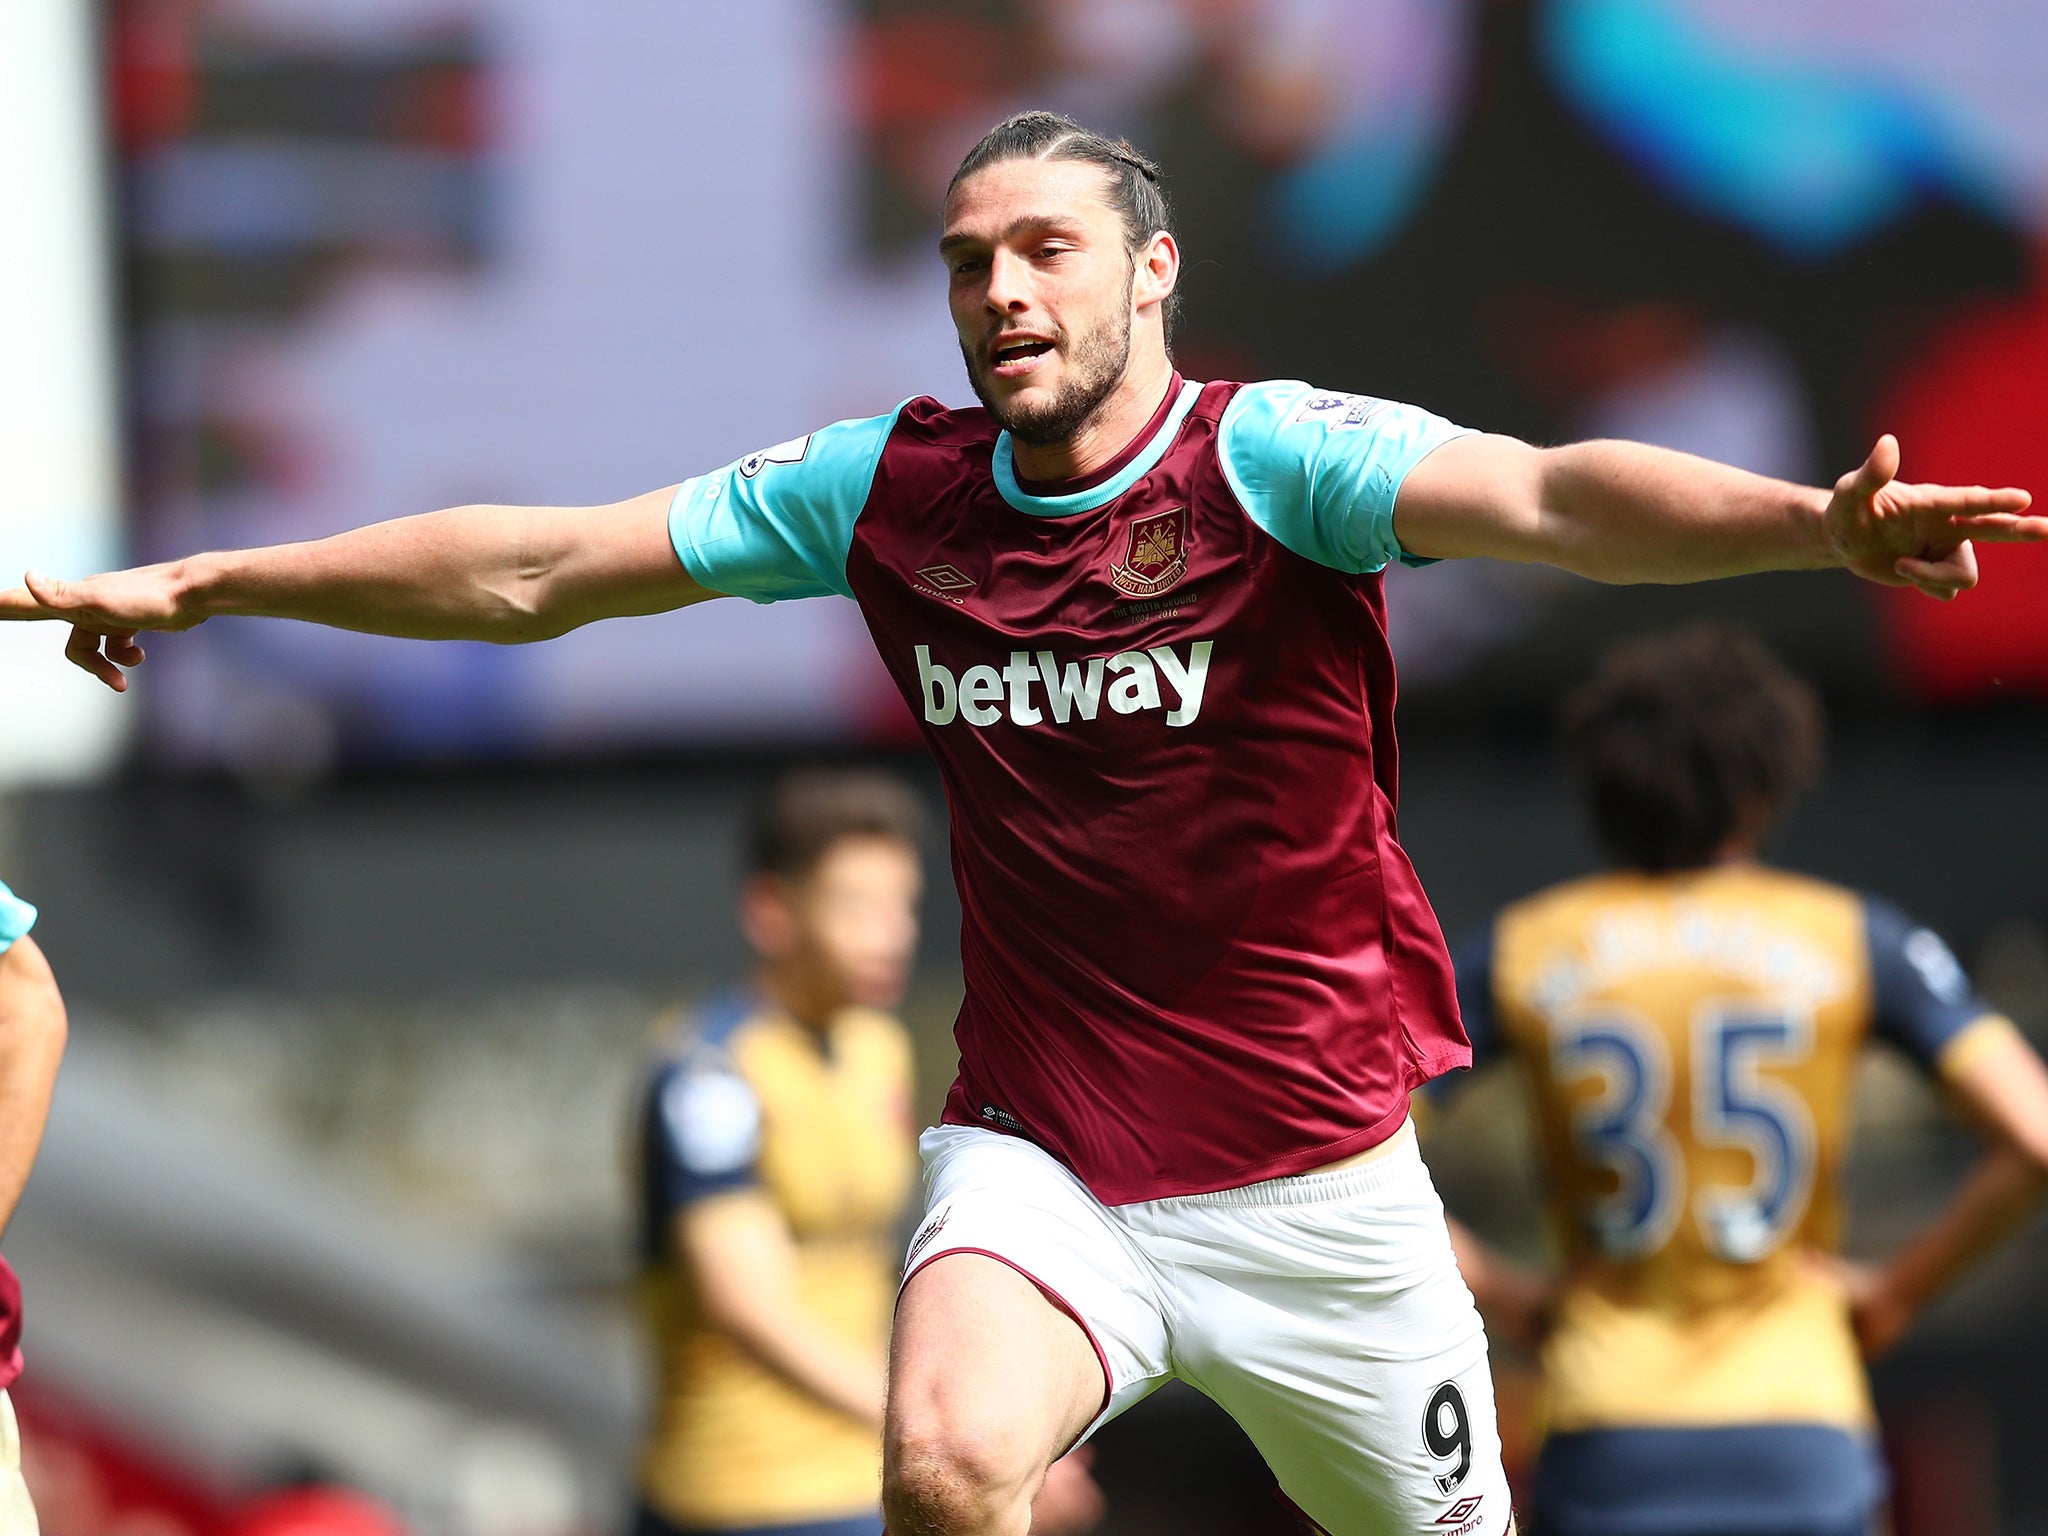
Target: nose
1008 280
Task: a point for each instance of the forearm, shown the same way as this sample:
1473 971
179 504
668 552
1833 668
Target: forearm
743 1267
1627 512
1612 511
1997 1199
810 1357
1515 1303
505 574
32 1032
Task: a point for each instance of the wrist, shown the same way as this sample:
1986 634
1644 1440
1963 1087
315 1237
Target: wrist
200 585
1817 534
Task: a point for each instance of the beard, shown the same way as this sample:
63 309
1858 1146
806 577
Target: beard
1095 366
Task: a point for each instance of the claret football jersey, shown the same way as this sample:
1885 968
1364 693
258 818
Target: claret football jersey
1162 704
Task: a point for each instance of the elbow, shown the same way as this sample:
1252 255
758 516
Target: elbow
32 1011
2031 1149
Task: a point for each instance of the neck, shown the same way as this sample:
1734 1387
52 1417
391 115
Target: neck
1107 433
796 996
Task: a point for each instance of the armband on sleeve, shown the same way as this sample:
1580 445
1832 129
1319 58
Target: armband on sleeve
1320 471
777 524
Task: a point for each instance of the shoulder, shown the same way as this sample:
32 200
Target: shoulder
1563 906
926 420
704 1117
877 1040
1294 407
1904 949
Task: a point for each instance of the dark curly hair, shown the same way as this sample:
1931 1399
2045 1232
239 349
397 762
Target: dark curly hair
1681 741
1135 192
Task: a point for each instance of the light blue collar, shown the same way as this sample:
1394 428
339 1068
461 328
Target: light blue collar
1005 469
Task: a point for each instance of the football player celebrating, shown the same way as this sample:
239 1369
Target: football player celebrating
1140 619
32 1029
1688 1024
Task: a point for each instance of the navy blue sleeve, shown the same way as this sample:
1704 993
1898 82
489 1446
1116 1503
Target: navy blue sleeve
1921 1000
701 1136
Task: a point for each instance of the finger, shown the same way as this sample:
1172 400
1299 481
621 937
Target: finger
1880 469
83 650
2002 527
122 650
53 594
1960 500
20 603
1944 577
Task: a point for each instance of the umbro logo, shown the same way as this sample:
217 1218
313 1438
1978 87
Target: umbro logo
947 578
945 582
1464 1515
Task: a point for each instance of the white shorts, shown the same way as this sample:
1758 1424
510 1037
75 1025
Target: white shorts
1325 1313
17 1514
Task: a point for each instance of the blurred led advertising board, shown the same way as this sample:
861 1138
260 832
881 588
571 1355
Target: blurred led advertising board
396 254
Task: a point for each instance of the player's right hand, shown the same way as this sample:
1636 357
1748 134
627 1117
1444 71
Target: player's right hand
105 614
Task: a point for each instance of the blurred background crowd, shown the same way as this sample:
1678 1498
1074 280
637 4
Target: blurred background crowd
363 939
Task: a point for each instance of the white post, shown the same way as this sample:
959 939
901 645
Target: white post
59 441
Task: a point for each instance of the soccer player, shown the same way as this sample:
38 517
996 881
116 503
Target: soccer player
1688 1024
777 1157
32 1028
1141 620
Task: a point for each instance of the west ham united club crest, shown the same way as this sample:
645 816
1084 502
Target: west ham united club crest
1157 555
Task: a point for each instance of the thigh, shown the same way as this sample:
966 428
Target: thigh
1340 1335
1022 1304
980 1355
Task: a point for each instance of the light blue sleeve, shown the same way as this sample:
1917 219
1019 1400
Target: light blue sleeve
1319 470
778 523
16 917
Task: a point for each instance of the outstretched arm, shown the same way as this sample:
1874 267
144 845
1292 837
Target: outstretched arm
1627 512
505 574
32 1030
2005 1087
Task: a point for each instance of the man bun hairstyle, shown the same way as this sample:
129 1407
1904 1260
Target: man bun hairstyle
1135 192
1681 741
806 813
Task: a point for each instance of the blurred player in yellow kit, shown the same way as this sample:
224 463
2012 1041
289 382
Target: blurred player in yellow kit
1688 1024
778 1158
32 1029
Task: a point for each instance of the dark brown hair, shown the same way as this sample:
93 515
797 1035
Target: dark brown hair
805 813
1676 739
1135 193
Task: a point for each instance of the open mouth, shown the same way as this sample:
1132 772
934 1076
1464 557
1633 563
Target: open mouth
1013 357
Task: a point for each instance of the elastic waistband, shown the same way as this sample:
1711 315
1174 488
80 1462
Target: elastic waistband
1400 1159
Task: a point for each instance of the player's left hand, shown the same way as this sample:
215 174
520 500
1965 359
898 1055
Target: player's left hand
1920 535
1071 1502
1878 1313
